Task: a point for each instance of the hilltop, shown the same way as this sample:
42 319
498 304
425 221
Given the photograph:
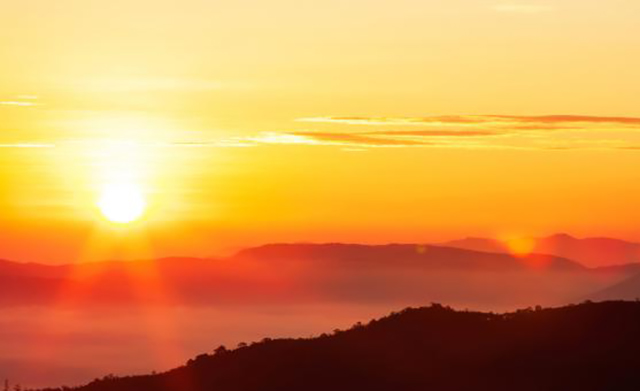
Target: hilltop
591 346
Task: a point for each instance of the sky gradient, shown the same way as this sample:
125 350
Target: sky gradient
247 122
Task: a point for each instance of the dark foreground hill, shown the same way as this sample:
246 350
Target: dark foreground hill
582 347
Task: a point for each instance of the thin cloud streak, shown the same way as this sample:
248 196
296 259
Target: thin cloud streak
361 139
435 133
545 132
545 121
548 132
18 103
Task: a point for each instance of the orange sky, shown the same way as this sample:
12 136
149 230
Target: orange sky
245 122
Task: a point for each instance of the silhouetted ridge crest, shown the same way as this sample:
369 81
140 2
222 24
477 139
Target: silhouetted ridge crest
591 346
411 255
590 251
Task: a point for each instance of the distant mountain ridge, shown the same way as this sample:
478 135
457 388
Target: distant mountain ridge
403 274
628 289
32 269
591 252
334 254
408 255
576 347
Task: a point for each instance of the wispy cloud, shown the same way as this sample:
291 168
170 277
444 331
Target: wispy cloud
431 120
519 122
434 133
548 132
357 141
360 139
17 103
560 119
20 101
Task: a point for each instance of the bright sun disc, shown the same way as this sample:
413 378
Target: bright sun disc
121 203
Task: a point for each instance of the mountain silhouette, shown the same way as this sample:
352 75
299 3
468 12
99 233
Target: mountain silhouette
10 268
628 289
405 255
479 244
592 252
398 274
591 346
342 256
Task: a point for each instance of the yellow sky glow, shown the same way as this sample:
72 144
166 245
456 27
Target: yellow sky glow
244 122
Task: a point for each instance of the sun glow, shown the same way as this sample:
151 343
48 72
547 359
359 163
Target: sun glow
520 246
122 203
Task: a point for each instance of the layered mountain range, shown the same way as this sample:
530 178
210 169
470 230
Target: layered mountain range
479 273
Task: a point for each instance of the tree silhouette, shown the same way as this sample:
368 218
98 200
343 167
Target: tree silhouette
585 347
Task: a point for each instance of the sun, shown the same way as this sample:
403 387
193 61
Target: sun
122 203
